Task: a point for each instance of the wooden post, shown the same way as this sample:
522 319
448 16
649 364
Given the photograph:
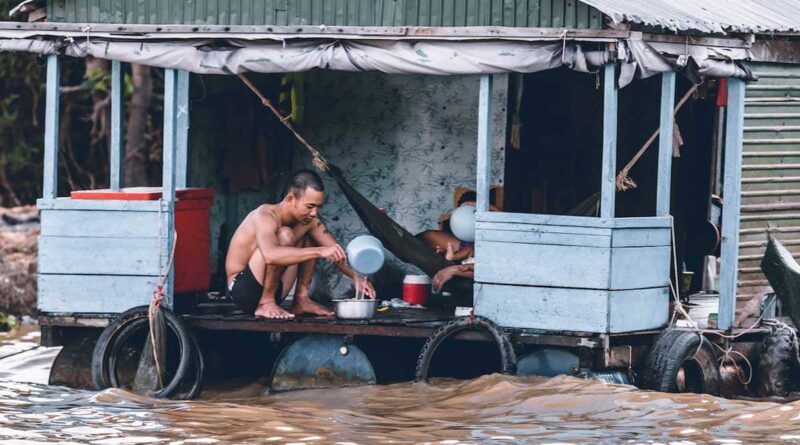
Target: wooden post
182 129
484 162
608 187
169 177
53 97
733 199
116 146
665 141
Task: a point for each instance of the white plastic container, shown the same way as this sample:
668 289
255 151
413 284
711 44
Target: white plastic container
365 254
462 223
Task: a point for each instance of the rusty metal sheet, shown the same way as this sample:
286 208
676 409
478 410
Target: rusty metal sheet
72 366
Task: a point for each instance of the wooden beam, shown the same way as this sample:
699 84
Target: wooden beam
116 145
162 31
608 187
182 130
51 123
730 211
168 178
484 162
665 141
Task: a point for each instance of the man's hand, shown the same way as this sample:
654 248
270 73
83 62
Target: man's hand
335 254
366 287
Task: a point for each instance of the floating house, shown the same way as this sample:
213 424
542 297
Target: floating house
551 101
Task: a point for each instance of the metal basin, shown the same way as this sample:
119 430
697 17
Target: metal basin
352 309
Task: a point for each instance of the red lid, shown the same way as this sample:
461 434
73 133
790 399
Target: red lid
142 194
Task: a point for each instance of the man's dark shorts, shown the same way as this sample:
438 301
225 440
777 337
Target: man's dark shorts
245 291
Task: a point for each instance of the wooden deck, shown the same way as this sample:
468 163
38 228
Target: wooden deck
395 322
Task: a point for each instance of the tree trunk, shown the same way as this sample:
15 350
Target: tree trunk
135 132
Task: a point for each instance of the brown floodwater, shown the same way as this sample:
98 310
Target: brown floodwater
491 409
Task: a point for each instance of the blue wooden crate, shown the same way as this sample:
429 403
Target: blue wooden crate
573 273
99 256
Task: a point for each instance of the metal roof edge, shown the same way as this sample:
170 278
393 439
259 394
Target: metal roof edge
304 32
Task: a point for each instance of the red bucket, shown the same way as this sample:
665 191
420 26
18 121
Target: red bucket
416 289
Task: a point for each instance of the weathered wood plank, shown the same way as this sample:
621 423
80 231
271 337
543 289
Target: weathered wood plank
577 221
649 221
93 293
580 310
639 267
526 218
51 123
731 209
638 310
99 256
641 237
542 265
169 166
535 237
543 308
182 129
100 223
117 146
665 144
608 188
484 161
96 204
543 228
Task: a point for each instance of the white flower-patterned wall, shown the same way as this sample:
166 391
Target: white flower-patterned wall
405 142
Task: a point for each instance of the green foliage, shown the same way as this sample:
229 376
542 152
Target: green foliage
21 120
22 107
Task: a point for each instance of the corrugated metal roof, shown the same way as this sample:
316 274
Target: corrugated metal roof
714 16
424 13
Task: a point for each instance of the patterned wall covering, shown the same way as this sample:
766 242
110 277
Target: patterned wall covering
405 142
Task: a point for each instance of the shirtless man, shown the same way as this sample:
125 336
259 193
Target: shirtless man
277 244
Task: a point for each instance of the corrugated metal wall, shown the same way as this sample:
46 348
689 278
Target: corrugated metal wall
514 13
770 171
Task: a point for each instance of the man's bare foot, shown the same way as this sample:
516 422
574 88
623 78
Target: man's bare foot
304 305
272 310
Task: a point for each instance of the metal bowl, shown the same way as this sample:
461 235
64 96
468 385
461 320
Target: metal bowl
352 309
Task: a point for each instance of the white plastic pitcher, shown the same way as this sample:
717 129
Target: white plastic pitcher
365 254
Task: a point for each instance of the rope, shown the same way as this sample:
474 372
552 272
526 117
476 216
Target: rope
624 181
158 295
726 352
739 371
319 162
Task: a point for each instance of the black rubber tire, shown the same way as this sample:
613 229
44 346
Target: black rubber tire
508 357
177 388
117 331
678 350
99 373
655 359
777 365
199 367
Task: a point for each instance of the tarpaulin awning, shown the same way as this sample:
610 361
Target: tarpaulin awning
638 59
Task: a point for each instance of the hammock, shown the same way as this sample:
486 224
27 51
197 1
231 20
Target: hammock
397 239
394 237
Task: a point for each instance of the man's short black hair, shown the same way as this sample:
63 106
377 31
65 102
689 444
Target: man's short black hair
303 179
